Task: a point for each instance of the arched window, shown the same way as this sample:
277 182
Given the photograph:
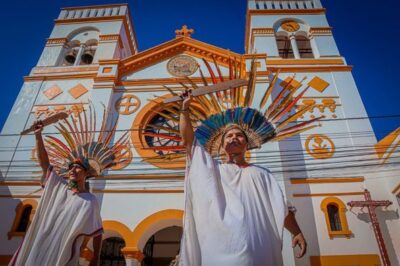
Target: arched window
87 55
71 50
80 48
335 216
25 218
24 213
111 253
304 46
284 46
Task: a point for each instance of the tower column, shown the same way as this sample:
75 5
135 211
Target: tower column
295 49
78 56
133 256
314 46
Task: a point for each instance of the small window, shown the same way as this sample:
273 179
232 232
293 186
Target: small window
24 213
335 216
24 221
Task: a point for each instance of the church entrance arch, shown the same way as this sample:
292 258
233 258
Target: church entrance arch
162 247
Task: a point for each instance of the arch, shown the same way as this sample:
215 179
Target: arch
78 31
344 229
304 44
153 223
91 42
19 210
303 25
119 229
142 119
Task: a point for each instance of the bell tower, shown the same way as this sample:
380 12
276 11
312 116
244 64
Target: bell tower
322 169
289 29
80 55
83 35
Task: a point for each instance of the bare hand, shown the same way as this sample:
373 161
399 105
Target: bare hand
38 125
187 98
301 242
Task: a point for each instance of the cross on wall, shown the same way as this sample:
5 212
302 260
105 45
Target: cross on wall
371 205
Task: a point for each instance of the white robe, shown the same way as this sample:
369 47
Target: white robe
233 216
61 221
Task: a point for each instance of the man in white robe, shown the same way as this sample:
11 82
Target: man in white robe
235 212
66 214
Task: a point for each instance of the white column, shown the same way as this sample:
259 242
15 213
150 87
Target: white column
295 49
314 46
78 56
132 262
133 256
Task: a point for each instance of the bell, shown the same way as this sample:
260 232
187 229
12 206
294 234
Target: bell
70 56
87 56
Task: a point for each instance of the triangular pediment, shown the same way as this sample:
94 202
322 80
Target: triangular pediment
154 58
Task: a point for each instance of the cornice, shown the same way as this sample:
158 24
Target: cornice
174 47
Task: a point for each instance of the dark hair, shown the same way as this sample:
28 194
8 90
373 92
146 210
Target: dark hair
230 127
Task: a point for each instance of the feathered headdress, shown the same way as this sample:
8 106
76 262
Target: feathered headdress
260 126
212 113
84 145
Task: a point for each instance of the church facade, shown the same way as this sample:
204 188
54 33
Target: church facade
328 173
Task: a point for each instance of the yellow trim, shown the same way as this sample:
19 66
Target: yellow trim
302 69
18 215
145 225
19 183
339 260
121 229
342 216
135 177
20 196
137 190
144 229
60 77
327 194
59 41
161 81
323 180
321 30
133 253
338 61
62 70
313 11
386 147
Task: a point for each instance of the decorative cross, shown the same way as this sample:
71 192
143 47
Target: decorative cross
372 205
127 104
184 32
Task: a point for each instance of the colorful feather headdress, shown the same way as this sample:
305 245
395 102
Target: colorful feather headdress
274 122
84 145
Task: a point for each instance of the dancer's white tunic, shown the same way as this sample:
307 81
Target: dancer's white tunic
61 221
233 216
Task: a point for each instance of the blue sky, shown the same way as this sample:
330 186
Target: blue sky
366 33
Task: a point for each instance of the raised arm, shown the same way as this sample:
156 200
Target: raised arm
185 123
298 238
40 150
